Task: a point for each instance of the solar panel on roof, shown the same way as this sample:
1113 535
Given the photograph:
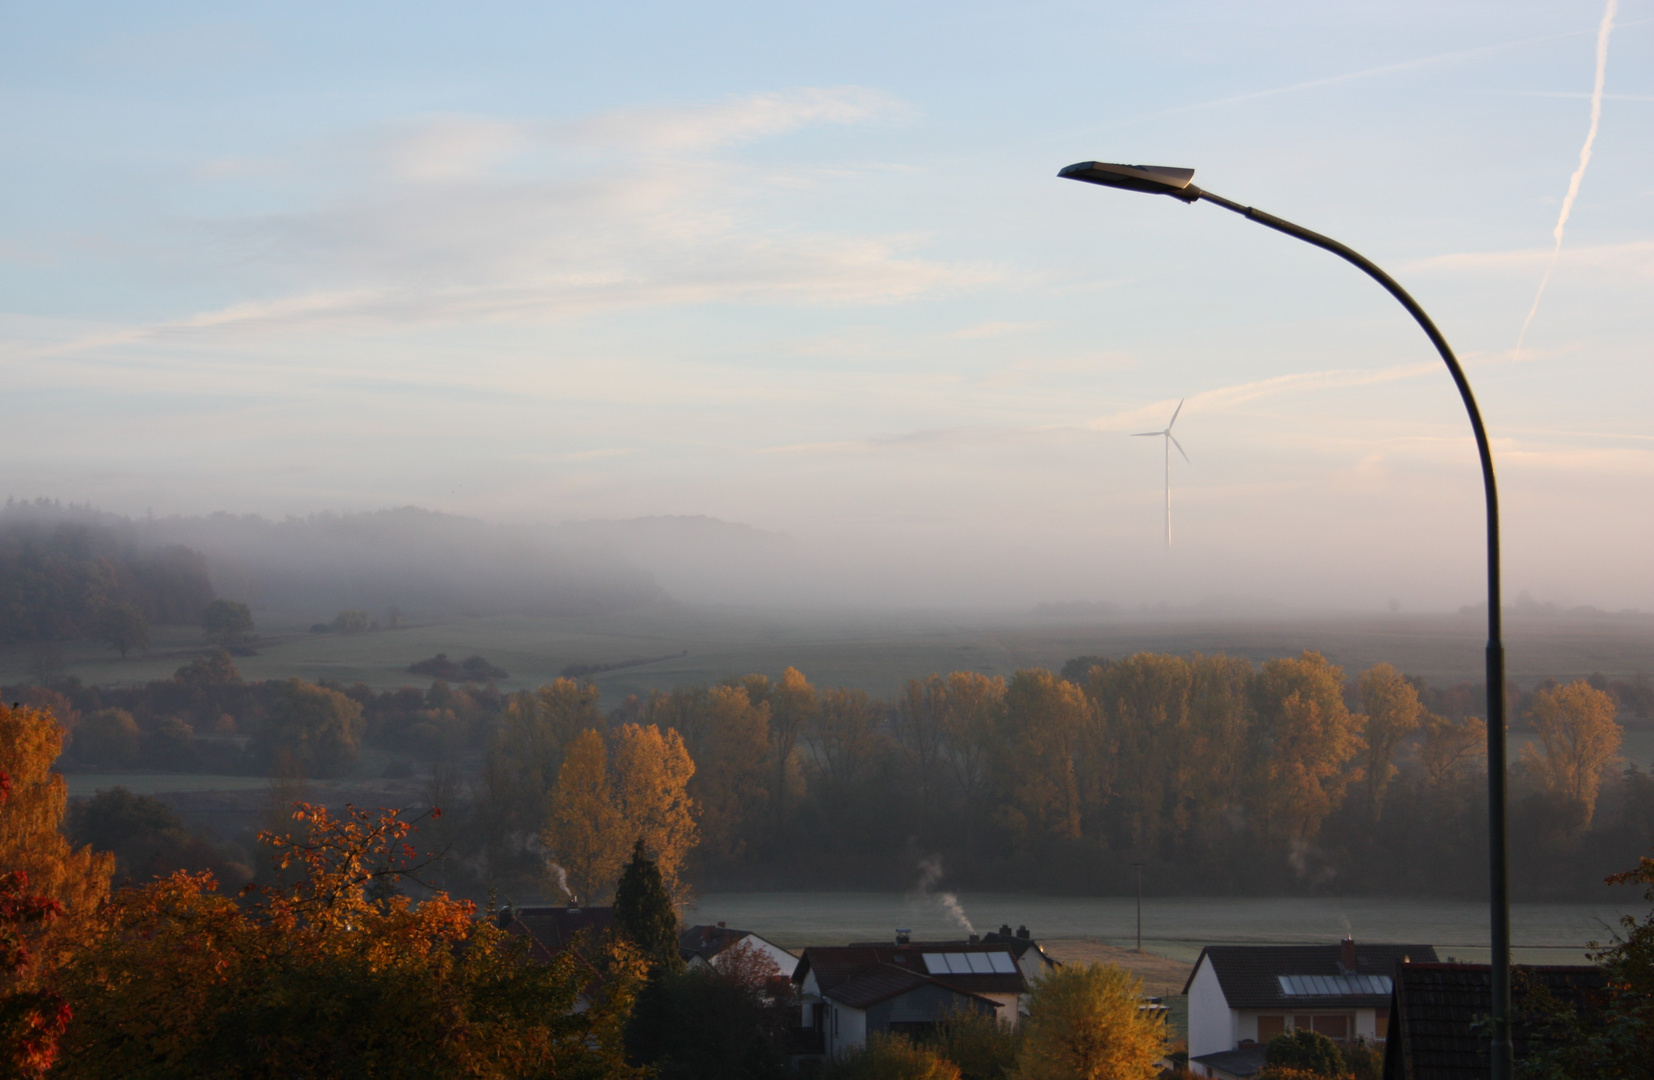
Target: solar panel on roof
1333 985
1003 964
980 964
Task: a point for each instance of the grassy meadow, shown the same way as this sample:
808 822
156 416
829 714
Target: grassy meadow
871 651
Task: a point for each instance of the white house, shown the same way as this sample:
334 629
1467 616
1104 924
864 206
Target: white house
1241 996
847 992
717 945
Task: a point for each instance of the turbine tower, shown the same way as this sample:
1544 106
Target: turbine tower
1171 441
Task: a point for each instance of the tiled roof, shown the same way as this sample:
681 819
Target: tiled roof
1250 975
871 985
553 928
834 964
1435 1006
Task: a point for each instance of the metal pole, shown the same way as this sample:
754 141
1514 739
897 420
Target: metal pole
1139 905
1502 1058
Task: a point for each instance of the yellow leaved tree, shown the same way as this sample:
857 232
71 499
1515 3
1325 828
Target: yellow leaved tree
607 797
1086 1022
78 879
1579 739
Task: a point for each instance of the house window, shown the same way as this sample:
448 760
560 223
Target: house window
1381 1025
1302 1023
1270 1026
1336 1028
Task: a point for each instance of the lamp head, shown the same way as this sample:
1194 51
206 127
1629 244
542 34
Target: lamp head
1153 179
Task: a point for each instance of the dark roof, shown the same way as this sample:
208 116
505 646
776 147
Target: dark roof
1247 1062
1434 1006
1250 974
707 941
834 965
1017 945
553 928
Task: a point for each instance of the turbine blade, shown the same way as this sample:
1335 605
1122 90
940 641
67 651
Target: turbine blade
1179 446
1141 434
1174 413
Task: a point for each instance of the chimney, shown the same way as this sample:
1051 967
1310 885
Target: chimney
1005 929
1022 932
1347 955
720 924
976 939
903 937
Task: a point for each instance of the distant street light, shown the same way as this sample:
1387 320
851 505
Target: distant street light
1159 180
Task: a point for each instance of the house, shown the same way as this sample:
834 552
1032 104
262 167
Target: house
1030 958
1241 996
715 945
552 929
848 992
1435 1009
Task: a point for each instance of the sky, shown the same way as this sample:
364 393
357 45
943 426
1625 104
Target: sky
808 267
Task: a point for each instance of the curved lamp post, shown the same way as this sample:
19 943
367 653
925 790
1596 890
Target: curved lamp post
1159 180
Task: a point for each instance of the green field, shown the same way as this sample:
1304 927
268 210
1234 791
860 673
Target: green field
1176 927
875 652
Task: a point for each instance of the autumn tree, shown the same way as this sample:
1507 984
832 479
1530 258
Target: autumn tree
970 719
1306 736
1391 705
1448 750
605 801
917 725
584 831
1145 736
31 840
526 753
1041 727
1086 1022
32 1019
1579 738
792 704
844 737
728 737
328 976
652 771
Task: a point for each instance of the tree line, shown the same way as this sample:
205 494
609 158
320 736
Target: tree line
1223 776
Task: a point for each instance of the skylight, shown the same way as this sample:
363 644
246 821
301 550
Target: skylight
1333 985
970 963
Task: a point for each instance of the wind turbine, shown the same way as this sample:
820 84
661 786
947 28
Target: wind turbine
1171 441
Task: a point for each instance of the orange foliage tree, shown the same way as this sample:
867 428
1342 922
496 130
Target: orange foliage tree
31 1020
1579 738
332 974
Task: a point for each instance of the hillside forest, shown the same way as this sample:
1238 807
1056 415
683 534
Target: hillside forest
1289 777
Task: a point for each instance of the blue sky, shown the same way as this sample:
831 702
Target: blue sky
808 267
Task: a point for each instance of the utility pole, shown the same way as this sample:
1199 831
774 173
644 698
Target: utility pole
1139 867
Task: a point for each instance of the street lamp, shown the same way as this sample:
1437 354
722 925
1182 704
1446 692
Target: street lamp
1160 180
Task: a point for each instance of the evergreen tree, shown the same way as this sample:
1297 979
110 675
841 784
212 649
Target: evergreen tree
644 913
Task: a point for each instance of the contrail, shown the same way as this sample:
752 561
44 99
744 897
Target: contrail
1603 31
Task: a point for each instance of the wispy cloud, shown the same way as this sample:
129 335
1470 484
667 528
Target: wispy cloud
442 232
740 119
1634 257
